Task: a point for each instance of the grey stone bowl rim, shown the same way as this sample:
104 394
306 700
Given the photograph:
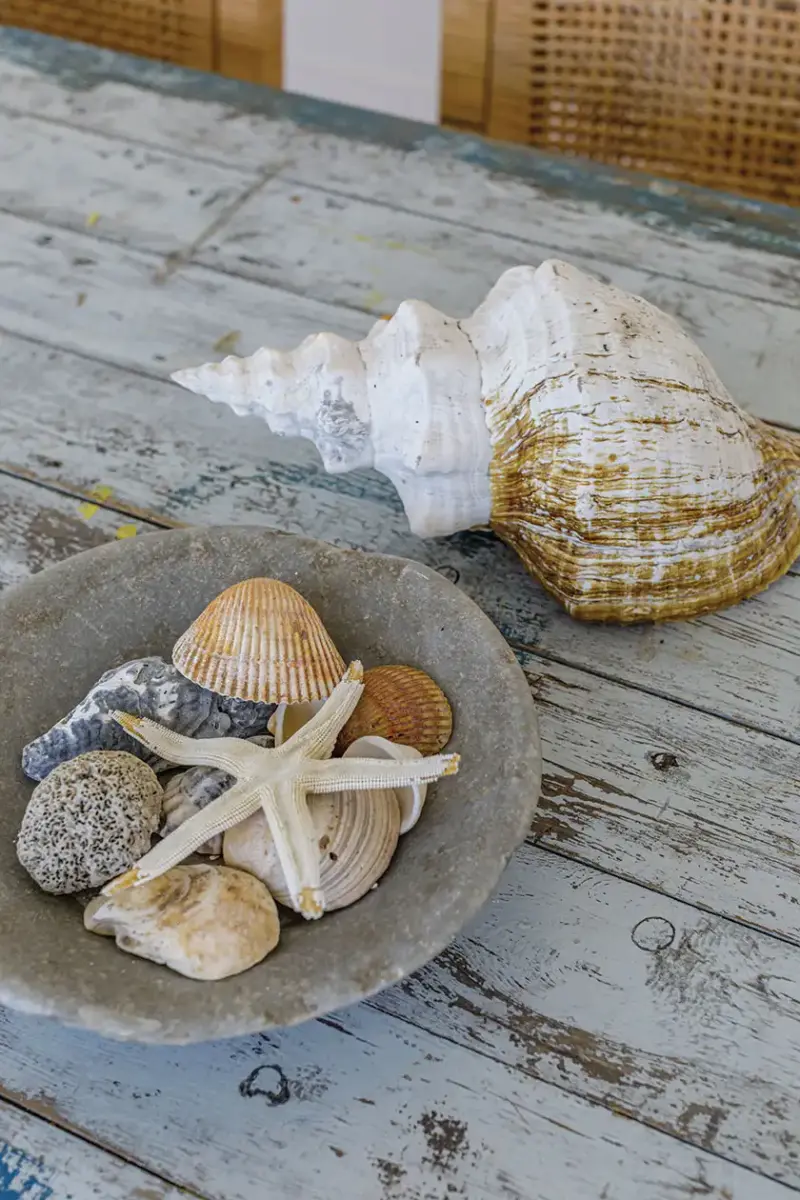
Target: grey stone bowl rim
51 996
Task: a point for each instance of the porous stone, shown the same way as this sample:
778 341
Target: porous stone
91 819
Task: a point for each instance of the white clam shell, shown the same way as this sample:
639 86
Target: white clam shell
288 718
203 921
411 799
357 835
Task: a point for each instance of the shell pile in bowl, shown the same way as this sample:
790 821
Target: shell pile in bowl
301 774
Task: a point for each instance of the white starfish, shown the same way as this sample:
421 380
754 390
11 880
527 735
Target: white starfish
278 781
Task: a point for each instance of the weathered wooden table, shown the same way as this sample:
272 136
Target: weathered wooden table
623 1022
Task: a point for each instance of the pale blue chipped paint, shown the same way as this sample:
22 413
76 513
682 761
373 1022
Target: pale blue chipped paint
23 1177
712 214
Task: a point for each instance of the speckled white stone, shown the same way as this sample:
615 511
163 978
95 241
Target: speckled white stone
92 818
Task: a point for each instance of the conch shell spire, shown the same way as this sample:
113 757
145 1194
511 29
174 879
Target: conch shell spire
405 400
580 422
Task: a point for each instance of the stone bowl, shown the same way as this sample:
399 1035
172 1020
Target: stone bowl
61 630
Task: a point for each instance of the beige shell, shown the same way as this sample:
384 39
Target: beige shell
288 718
205 922
260 640
401 704
578 421
357 834
412 798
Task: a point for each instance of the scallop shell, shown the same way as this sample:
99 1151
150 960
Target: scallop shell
401 704
205 922
358 834
580 422
260 640
411 799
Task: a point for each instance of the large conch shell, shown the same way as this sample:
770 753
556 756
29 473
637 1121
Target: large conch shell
581 423
203 921
260 640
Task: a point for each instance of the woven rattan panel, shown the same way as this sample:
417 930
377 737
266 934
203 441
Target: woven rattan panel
706 91
180 31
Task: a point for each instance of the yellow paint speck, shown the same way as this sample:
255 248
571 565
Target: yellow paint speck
373 299
92 220
126 531
80 299
101 493
228 342
395 245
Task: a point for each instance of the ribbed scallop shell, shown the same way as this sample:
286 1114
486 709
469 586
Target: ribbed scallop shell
401 704
260 640
205 922
358 834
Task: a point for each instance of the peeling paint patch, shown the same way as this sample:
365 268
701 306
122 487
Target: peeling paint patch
22 1175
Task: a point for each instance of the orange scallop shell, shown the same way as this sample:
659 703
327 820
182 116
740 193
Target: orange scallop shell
260 640
404 705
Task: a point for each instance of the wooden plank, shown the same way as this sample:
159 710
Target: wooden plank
249 40
79 180
358 1105
205 465
373 256
39 527
465 60
681 1020
429 181
40 1162
77 292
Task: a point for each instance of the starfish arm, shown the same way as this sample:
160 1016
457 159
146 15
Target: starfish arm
317 737
366 774
223 753
233 806
295 838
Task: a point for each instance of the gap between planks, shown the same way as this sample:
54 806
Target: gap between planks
44 1156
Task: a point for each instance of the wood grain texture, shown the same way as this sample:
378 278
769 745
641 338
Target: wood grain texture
41 1162
249 40
465 60
282 234
81 180
428 181
358 1105
40 527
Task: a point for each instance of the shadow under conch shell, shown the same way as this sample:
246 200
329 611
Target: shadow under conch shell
145 687
203 921
579 422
